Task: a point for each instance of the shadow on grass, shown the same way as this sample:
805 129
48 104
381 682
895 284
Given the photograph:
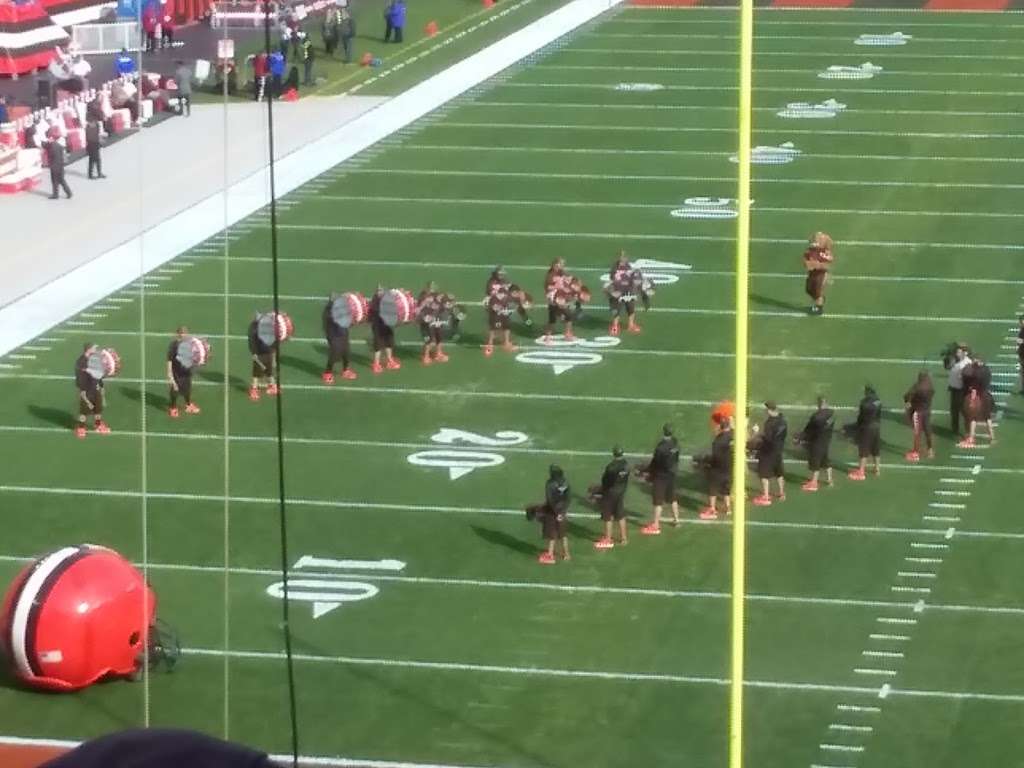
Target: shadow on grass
502 539
768 301
217 377
55 416
156 402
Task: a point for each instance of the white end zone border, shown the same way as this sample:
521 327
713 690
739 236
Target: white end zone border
35 313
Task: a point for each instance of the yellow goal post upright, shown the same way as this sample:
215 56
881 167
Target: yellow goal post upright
739 466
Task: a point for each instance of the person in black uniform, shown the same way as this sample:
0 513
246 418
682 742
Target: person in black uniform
553 513
614 482
770 445
816 438
337 346
179 377
918 400
718 465
383 336
868 430
663 468
262 362
90 395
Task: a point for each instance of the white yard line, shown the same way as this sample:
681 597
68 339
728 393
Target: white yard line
578 127
788 90
662 206
549 672
757 70
674 178
605 107
901 245
501 511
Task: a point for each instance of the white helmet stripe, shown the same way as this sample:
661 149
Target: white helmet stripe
23 607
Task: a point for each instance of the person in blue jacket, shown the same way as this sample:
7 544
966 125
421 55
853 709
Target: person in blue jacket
394 16
124 64
277 63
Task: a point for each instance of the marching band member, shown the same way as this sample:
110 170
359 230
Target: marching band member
521 300
978 403
434 318
868 430
337 345
918 400
90 394
818 259
559 297
817 437
179 377
623 288
500 306
663 468
383 336
262 362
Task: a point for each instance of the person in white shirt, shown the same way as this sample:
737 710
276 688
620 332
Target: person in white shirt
961 360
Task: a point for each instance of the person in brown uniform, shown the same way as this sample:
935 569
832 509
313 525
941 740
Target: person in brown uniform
90 395
918 400
818 259
500 306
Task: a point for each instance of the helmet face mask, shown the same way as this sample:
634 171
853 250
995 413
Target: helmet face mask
75 616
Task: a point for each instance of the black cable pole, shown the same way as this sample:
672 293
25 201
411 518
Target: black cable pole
290 663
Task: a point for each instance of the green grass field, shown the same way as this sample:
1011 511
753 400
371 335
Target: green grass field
884 618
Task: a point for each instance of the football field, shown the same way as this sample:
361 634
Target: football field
884 618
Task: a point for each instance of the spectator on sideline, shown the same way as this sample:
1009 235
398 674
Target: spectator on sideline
260 68
92 149
347 32
3 110
394 16
286 38
55 157
276 63
122 96
956 387
329 31
307 61
183 77
124 64
167 26
149 25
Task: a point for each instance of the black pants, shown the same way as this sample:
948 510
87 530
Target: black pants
337 349
184 388
397 32
956 407
57 180
95 164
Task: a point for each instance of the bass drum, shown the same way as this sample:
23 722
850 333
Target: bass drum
270 328
349 309
103 364
397 307
193 352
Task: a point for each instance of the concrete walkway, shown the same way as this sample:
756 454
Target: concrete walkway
151 176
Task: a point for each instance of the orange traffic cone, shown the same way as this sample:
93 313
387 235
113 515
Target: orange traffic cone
291 95
367 58
431 29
